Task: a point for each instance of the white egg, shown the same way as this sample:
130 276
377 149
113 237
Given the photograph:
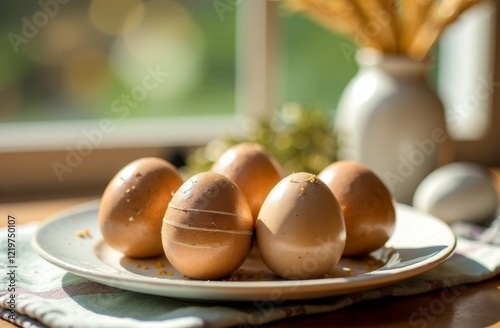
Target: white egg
458 191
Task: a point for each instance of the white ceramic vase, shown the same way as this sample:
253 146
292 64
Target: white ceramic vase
392 120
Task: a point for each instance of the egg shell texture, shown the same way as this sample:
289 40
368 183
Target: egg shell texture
366 203
300 230
207 231
253 170
133 204
219 199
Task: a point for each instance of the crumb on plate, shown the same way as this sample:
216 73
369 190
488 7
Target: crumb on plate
84 233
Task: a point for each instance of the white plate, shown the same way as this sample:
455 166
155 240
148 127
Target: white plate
419 243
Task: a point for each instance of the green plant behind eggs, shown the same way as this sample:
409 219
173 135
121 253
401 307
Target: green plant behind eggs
300 138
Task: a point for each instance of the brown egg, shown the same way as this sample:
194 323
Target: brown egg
253 170
133 205
207 231
367 205
300 230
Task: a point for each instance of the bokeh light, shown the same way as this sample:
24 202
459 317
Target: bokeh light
65 35
167 38
87 73
116 17
94 52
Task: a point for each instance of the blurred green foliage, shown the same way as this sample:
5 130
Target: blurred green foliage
35 87
315 64
300 138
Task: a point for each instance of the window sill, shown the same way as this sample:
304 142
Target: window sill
81 157
111 134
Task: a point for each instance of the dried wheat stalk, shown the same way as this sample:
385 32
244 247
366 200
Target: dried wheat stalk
408 27
443 13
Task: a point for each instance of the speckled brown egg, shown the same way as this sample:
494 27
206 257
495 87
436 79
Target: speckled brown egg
133 205
300 231
367 205
253 170
207 230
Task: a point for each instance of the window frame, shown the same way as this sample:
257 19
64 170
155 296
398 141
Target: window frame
486 150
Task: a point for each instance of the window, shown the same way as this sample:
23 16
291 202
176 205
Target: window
115 59
83 80
88 86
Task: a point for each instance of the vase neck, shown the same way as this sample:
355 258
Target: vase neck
397 65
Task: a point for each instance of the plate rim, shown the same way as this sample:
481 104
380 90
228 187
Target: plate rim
355 283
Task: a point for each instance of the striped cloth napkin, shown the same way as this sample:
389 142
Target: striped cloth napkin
48 296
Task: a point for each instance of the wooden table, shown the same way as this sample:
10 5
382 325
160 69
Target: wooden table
478 305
